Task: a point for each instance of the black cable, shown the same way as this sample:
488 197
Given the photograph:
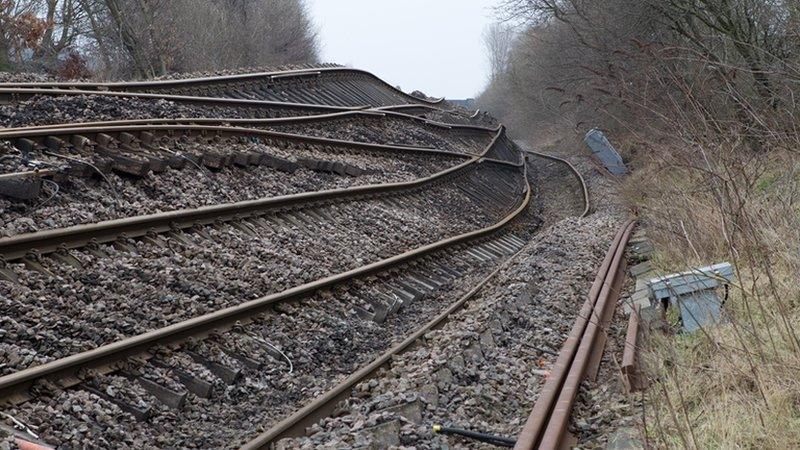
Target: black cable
478 436
96 169
55 188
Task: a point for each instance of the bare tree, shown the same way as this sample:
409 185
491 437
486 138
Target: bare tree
64 19
21 31
147 38
498 39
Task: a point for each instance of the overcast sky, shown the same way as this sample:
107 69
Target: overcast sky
430 45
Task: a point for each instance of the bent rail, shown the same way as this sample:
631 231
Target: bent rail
202 81
19 246
319 407
14 385
574 170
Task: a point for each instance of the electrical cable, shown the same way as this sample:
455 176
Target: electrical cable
478 436
96 169
262 341
203 170
55 192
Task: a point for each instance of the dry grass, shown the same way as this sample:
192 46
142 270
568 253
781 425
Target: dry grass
734 385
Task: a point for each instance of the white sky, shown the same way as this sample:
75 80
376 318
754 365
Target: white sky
430 45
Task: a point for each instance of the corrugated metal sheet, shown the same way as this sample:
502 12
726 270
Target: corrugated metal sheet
605 152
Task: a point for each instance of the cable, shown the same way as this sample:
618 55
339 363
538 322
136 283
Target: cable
20 426
8 157
55 192
262 341
78 160
482 437
203 170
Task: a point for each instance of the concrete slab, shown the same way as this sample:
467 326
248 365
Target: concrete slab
627 438
640 269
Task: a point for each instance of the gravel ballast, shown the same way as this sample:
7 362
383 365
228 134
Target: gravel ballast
482 371
79 308
85 200
322 336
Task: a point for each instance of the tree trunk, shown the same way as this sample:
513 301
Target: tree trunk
5 62
132 47
101 42
158 62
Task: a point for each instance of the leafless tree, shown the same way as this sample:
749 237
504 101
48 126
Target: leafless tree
497 39
147 38
621 61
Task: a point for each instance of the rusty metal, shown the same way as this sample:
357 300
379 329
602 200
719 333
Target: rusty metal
320 112
204 81
606 315
139 161
18 246
574 170
322 406
13 94
547 423
65 134
630 369
266 122
14 386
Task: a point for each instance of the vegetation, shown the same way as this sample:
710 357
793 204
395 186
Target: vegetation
702 97
148 38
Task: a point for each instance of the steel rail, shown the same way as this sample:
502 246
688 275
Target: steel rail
200 81
108 355
19 246
320 407
548 420
62 133
630 373
428 107
574 170
48 241
369 112
8 95
325 110
19 133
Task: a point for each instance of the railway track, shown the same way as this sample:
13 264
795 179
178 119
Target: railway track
405 290
223 349
245 108
138 149
369 126
332 86
178 154
324 405
326 90
229 107
473 178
